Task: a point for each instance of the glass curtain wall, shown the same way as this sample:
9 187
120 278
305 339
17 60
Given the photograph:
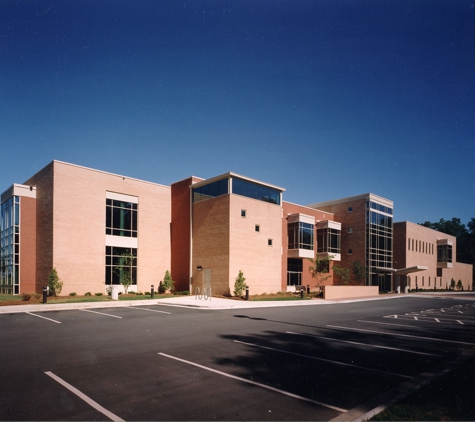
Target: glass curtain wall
379 244
10 246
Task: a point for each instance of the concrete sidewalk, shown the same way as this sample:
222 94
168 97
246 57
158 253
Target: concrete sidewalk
185 301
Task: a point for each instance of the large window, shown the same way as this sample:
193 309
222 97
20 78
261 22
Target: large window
300 235
444 253
256 191
379 243
118 261
121 218
211 190
294 272
10 246
328 240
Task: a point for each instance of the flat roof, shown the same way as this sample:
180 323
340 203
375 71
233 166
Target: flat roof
239 176
368 196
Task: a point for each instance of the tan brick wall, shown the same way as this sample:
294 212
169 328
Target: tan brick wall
348 292
76 218
28 246
211 243
249 250
418 244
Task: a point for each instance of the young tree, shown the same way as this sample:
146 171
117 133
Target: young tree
452 283
125 270
359 272
320 269
459 285
341 274
168 283
240 284
54 282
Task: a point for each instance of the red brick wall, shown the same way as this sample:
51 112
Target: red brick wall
319 215
180 232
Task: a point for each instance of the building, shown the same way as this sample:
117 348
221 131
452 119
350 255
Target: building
86 222
425 258
366 235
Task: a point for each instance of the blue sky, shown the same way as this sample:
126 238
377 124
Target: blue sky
327 99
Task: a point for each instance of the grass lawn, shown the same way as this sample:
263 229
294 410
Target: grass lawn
449 397
7 300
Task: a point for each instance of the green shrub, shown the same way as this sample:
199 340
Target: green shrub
25 296
132 293
72 294
139 293
54 282
146 293
36 295
182 293
98 294
240 284
168 283
87 294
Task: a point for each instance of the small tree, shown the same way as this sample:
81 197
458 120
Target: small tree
240 284
54 282
320 269
342 274
359 272
459 285
452 284
125 270
168 283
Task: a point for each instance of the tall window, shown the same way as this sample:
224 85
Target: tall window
121 218
300 235
294 272
328 240
444 253
117 261
10 246
379 242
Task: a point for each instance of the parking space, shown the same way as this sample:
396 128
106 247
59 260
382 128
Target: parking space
163 363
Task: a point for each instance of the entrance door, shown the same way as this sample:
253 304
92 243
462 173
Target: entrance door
384 282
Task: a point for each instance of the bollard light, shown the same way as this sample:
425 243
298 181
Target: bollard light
247 292
301 292
45 294
151 292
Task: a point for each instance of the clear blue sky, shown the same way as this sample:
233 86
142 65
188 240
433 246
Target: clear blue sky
327 99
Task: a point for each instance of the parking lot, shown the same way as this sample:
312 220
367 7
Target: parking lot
159 362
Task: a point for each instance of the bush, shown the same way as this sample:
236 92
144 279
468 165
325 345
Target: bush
240 284
72 294
182 293
25 296
139 293
36 295
54 282
132 293
87 294
147 293
98 294
168 283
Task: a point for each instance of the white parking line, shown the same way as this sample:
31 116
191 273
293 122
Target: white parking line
146 309
460 322
39 316
82 396
401 335
286 393
324 360
100 313
366 344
